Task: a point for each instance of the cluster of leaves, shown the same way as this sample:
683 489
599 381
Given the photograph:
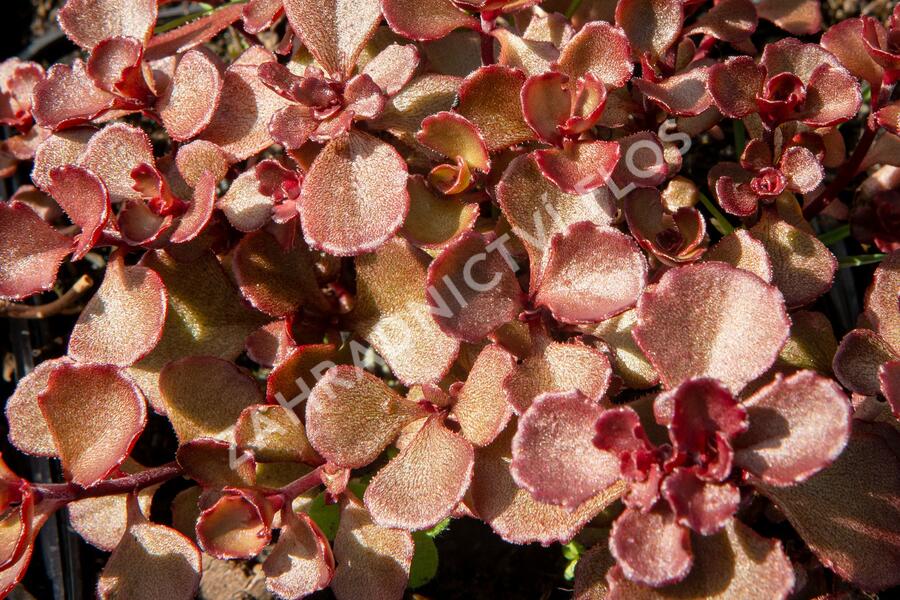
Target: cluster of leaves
421 259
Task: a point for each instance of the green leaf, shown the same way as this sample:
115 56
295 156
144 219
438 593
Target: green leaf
835 235
438 529
860 260
425 560
572 553
325 515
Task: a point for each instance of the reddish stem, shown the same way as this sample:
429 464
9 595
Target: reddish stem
850 167
69 492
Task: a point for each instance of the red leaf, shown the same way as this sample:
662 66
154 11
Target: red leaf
734 85
579 167
489 97
123 321
334 31
652 26
455 136
425 19
393 67
471 289
847 513
554 456
113 153
151 561
31 254
799 17
733 335
28 429
68 97
240 125
422 485
651 548
89 22
599 49
116 66
845 40
84 198
798 426
352 416
238 525
91 448
345 208
881 300
372 562
703 506
858 358
301 561
481 408
592 273
189 102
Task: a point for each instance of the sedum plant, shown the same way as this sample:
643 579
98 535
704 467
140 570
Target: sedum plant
492 259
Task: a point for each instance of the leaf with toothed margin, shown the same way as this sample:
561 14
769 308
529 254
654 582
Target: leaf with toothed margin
858 358
799 17
490 98
882 298
592 273
89 22
652 26
557 367
352 416
274 434
600 49
847 513
189 103
112 154
802 267
733 335
481 408
513 513
204 396
206 317
392 314
422 485
276 281
334 31
354 197
554 456
434 221
151 561
28 430
425 19
102 521
240 125
471 289
238 525
734 563
123 321
31 254
216 464
372 562
798 426
90 448
651 548
301 561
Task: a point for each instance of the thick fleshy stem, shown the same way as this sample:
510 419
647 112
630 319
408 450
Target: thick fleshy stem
487 41
850 168
68 492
